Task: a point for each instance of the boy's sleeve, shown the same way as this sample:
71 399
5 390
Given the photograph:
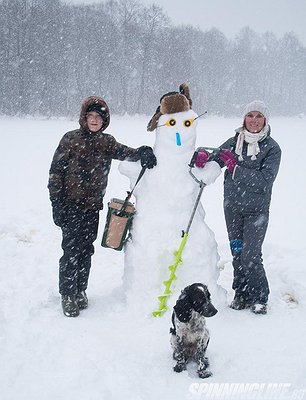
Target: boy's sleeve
57 170
122 152
143 153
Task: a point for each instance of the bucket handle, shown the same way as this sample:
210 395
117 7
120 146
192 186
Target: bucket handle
129 193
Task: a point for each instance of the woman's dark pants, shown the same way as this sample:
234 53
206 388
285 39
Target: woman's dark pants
246 232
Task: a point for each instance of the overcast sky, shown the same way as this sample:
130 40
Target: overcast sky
229 16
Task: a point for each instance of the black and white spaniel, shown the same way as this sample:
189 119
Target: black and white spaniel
189 335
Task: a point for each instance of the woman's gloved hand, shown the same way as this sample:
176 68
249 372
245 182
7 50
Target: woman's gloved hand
229 159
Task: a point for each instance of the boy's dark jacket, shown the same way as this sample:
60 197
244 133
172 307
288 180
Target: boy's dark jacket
82 161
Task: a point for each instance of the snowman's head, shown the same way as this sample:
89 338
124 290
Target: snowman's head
177 131
175 121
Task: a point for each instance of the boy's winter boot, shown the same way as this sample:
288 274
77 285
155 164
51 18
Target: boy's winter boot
82 300
70 306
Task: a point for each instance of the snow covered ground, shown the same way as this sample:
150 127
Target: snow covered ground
110 351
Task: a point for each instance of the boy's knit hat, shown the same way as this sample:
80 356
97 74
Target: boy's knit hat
98 108
257 105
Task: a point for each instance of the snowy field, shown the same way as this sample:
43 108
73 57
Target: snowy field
110 351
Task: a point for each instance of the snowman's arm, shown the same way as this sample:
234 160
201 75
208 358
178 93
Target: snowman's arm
131 170
209 173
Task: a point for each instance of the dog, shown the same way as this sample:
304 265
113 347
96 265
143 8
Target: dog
189 335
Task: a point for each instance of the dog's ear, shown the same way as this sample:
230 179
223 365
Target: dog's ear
185 291
183 309
201 302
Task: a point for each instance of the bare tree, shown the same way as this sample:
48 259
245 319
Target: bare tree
153 22
53 54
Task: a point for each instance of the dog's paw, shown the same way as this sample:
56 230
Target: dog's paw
206 363
179 367
203 363
204 373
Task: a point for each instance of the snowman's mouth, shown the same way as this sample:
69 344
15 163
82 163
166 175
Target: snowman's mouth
178 139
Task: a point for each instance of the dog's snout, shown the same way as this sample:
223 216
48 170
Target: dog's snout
209 310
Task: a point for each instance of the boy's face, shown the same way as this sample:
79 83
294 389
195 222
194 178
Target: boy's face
94 121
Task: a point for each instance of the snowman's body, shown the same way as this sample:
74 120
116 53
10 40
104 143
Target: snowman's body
165 198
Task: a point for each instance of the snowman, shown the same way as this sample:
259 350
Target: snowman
165 198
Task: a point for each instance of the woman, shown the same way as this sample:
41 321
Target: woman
252 159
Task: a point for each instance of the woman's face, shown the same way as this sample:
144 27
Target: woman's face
254 121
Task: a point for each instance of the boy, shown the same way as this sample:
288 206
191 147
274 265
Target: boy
77 184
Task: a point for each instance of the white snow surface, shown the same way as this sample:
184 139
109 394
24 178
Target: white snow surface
117 351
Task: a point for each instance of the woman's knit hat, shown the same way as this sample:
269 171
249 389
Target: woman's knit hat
257 105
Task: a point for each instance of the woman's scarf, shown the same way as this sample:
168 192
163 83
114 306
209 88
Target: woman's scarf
252 140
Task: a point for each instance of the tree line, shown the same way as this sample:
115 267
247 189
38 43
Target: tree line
53 54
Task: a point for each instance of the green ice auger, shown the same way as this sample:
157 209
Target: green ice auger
178 254
172 268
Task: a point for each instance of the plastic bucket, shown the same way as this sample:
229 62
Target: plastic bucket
118 224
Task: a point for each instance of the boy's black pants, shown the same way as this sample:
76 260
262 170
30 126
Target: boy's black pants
79 232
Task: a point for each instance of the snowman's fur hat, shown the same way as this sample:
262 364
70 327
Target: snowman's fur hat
171 103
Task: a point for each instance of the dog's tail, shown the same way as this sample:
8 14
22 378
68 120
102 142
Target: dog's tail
172 331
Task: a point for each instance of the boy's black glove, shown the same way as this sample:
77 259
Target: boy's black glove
58 211
147 157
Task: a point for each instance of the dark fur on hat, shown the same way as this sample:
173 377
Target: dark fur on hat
171 103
